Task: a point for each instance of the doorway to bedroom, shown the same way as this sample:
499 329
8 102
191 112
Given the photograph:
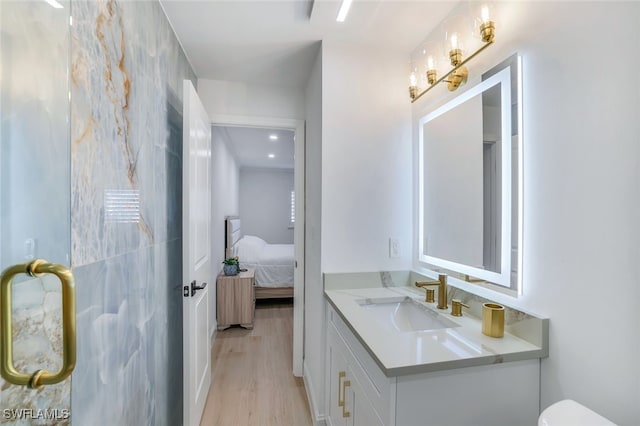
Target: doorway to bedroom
258 189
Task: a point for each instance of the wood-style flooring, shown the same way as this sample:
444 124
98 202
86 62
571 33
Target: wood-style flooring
251 374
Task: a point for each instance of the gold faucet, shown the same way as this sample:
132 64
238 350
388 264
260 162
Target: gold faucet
441 282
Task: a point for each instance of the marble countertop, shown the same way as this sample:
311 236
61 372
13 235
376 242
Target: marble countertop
412 352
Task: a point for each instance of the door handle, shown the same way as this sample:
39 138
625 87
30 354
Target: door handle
195 288
39 378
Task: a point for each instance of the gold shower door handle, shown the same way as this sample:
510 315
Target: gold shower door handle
39 378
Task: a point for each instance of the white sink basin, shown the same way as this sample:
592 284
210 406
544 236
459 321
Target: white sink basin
404 314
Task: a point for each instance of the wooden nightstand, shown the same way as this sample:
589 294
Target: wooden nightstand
235 299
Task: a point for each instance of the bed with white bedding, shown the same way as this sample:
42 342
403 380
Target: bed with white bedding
273 263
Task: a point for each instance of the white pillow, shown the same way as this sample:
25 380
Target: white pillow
254 239
249 249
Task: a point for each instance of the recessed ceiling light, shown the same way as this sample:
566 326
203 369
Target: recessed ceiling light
272 156
273 137
344 9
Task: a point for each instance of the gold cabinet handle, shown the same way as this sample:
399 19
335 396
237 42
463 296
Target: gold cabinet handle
341 375
39 378
345 385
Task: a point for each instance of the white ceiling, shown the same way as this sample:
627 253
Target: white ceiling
251 147
272 42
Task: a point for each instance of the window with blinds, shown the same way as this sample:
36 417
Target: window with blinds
292 218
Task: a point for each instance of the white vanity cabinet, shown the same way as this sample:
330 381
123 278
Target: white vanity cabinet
492 395
337 381
348 404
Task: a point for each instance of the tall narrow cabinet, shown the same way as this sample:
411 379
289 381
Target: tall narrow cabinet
235 299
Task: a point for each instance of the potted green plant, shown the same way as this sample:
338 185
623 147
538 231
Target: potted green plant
231 266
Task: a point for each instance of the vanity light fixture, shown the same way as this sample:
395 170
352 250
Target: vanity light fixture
432 74
455 54
413 85
458 75
344 9
457 78
487 28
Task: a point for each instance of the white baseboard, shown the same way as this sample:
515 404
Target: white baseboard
214 333
317 414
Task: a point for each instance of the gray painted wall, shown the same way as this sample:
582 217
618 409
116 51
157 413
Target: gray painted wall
265 204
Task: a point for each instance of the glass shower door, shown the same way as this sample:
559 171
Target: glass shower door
35 196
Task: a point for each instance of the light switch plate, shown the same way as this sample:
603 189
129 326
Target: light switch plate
394 248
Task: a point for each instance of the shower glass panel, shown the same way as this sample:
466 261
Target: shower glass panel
35 194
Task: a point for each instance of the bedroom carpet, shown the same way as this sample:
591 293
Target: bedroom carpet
251 379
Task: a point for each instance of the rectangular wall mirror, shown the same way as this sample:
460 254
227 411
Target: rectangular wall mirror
469 183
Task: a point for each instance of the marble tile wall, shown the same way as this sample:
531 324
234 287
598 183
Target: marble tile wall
127 70
126 82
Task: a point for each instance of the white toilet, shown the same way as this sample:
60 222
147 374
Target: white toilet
570 413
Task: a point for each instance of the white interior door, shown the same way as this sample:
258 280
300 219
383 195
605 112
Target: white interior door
298 239
196 246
